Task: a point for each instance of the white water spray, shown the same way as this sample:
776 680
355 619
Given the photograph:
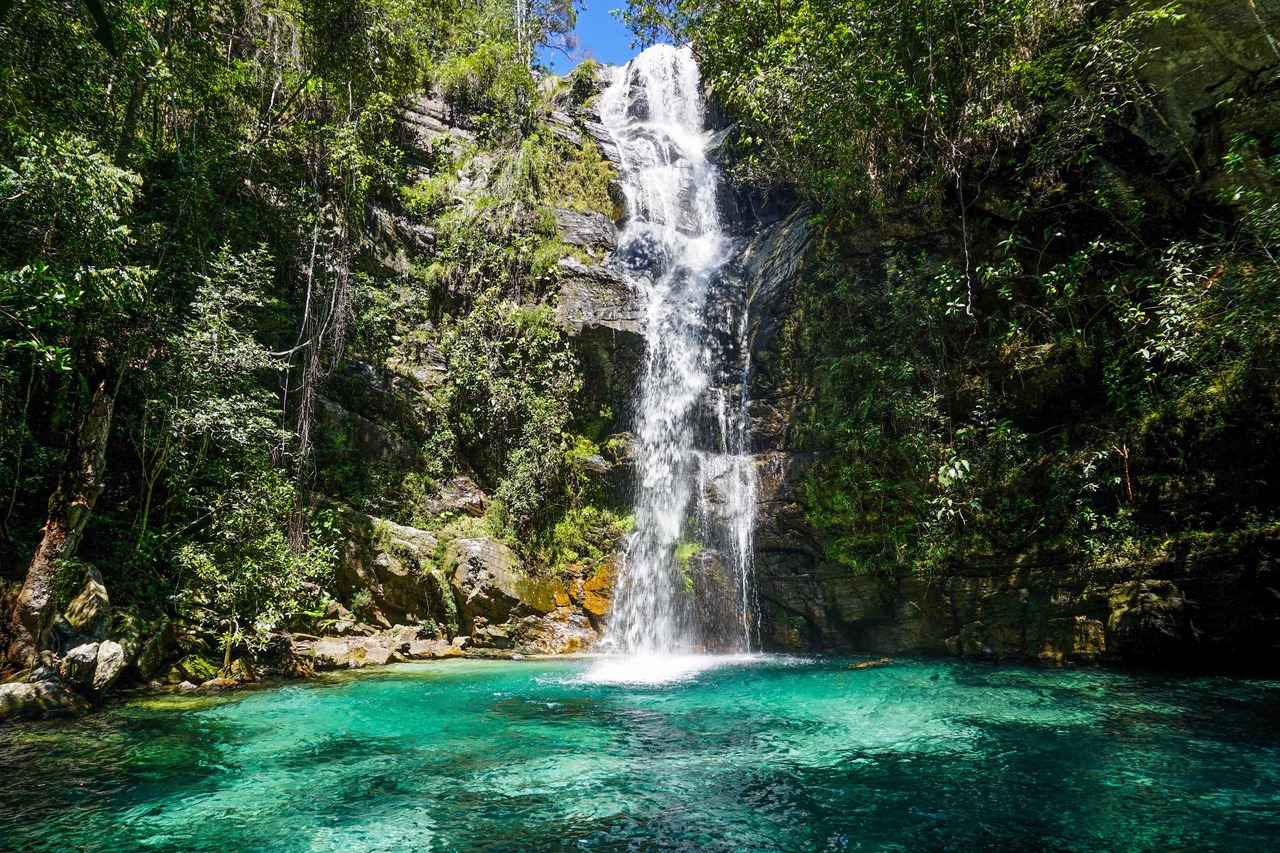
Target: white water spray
684 584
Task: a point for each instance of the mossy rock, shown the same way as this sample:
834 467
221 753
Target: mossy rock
195 669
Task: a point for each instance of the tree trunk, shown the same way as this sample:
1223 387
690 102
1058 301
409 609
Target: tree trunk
69 507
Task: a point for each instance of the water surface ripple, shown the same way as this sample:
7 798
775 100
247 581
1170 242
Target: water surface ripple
754 754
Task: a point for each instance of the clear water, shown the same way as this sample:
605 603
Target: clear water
755 754
696 480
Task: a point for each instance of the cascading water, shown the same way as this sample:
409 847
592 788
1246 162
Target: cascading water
685 579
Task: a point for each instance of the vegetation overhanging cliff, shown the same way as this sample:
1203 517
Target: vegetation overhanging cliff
1021 400
309 324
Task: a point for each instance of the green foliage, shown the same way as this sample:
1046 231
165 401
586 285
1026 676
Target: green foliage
686 551
582 82
242 575
185 218
868 103
1065 361
514 379
65 205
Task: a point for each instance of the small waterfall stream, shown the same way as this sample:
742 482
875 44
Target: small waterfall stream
684 584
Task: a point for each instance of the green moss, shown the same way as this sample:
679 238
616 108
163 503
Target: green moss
686 551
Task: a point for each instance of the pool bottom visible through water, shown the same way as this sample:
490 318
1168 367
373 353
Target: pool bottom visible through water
747 754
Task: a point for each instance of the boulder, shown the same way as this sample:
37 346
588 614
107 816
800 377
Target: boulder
39 699
431 650
460 496
219 684
196 669
89 613
79 665
128 630
379 655
42 673
393 563
563 126
155 649
329 653
566 631
489 584
597 591
590 122
492 637
110 664
390 239
241 670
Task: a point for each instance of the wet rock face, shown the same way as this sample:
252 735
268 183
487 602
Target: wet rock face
1204 609
588 229
1214 53
1219 610
597 297
1149 620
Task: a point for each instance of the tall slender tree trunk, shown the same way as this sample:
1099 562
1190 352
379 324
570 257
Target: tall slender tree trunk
69 508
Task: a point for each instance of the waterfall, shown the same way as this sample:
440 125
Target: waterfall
684 583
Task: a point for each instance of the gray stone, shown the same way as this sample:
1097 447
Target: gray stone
589 229
39 699
378 655
89 612
490 584
392 562
564 127
428 122
597 296
78 666
459 495
590 122
391 239
43 673
330 654
110 664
